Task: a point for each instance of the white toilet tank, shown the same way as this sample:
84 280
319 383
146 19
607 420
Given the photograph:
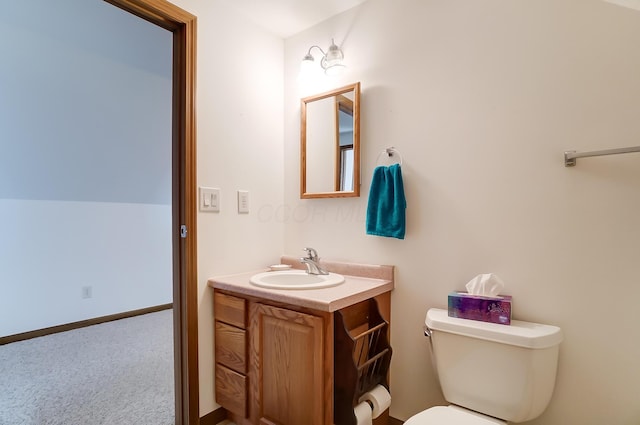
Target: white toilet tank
505 371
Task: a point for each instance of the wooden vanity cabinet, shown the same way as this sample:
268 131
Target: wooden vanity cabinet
287 350
231 352
274 362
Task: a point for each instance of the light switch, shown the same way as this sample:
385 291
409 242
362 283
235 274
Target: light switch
215 200
243 201
209 199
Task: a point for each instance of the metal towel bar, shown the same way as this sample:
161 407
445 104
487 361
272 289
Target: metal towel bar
571 156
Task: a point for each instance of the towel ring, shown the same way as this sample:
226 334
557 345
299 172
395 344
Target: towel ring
390 151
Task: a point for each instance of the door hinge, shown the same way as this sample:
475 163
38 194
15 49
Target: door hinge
183 231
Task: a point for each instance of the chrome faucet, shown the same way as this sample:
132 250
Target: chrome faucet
312 262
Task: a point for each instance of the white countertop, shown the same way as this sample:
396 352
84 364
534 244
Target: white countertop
353 290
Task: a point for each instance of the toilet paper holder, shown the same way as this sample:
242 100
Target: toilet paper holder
362 356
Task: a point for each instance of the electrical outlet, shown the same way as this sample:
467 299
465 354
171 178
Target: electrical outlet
87 292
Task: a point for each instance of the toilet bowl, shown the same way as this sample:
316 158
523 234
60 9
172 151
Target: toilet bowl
492 374
451 415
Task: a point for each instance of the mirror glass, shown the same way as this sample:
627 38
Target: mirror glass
330 144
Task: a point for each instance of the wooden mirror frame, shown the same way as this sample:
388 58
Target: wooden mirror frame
336 193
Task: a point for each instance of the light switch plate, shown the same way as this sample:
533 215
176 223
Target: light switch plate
209 199
243 201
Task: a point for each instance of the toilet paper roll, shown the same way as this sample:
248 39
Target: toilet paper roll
363 414
379 399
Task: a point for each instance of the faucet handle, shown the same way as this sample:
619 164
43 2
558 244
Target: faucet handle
312 254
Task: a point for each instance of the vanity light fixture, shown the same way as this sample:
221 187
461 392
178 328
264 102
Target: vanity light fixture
331 61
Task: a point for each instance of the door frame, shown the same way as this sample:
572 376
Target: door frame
185 285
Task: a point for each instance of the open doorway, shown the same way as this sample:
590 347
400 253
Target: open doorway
185 302
183 223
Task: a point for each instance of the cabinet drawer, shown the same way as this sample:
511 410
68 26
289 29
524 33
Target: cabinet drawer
231 390
230 309
231 348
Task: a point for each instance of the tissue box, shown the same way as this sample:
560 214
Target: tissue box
485 309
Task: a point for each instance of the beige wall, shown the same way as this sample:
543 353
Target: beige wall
482 98
239 142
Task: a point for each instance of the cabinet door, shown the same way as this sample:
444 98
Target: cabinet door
287 352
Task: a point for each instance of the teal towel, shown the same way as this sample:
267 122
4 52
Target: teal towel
387 204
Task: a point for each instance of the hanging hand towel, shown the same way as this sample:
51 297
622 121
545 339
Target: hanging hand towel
387 204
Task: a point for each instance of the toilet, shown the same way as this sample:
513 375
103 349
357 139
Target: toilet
490 373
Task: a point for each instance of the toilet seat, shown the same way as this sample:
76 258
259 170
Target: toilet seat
451 415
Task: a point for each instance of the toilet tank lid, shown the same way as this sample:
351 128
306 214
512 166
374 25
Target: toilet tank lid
519 333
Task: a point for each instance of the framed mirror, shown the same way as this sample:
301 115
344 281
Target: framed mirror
330 144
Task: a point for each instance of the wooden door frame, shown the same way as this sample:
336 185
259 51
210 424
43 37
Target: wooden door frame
185 284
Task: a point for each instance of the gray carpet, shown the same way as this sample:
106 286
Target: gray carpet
115 373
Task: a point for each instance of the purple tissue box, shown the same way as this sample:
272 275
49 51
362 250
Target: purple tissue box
485 309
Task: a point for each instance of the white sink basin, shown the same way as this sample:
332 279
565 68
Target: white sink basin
295 279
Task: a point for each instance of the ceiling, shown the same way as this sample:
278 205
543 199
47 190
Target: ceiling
287 17
633 4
